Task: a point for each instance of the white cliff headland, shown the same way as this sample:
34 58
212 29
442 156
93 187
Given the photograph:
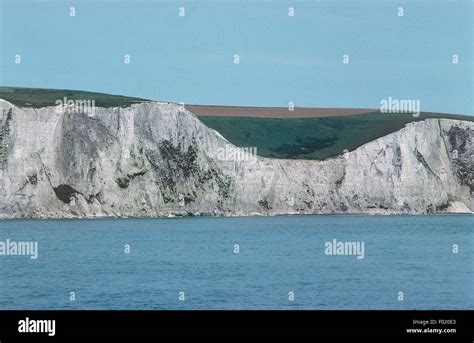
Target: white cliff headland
158 159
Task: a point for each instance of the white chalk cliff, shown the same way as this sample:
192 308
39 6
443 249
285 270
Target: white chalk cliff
151 159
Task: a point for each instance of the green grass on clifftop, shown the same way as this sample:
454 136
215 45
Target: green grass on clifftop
39 97
312 138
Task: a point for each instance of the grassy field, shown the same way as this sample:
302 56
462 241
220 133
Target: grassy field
38 97
312 138
293 138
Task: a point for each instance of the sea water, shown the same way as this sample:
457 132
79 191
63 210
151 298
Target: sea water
287 262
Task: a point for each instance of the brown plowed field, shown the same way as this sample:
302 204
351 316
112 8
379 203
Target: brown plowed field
274 112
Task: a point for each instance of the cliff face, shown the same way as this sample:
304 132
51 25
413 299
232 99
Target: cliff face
152 159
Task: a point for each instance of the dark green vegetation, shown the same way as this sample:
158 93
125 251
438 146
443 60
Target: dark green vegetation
459 140
5 130
38 97
312 138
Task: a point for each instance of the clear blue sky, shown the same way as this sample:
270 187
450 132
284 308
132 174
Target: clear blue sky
282 58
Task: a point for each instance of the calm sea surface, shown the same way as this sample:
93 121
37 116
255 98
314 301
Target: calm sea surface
278 258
